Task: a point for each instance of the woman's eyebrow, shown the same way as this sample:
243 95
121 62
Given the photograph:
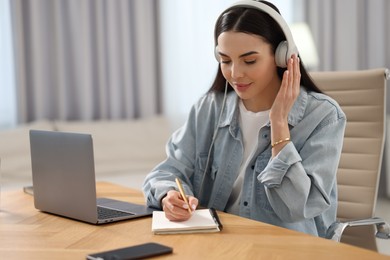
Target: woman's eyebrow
248 53
241 56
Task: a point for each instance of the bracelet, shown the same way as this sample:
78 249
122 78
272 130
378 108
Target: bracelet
281 141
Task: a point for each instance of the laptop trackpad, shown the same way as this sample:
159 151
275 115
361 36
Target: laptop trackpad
124 206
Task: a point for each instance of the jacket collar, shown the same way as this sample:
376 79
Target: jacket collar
230 113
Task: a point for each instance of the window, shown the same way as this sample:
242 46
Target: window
7 79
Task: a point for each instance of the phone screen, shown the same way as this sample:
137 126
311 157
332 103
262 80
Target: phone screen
132 252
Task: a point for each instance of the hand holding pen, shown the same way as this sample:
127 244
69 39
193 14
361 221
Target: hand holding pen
177 205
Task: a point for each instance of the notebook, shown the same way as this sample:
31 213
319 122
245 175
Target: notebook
201 221
63 175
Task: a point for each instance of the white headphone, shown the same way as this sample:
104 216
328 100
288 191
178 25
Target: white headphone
285 48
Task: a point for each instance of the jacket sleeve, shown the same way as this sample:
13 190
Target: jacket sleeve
181 149
179 163
299 184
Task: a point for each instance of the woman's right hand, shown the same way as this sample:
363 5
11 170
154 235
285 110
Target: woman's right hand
175 208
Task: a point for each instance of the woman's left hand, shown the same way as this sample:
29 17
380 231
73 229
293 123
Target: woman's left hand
288 92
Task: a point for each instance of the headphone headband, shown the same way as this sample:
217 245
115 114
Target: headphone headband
285 48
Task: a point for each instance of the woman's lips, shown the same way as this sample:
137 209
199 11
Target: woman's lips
242 86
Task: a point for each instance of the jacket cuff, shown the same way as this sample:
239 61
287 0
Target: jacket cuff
277 167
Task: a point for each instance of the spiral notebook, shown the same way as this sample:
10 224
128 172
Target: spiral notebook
201 221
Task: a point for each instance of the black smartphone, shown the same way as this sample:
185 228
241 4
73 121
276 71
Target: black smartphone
132 252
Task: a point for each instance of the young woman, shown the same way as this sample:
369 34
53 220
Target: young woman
263 142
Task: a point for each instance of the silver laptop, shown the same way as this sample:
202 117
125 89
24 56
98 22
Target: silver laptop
63 175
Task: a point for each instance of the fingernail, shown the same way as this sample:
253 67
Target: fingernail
193 206
185 206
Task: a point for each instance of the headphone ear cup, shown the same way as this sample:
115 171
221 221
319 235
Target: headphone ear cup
216 55
281 54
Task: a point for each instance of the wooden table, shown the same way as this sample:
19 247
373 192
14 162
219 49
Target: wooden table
26 233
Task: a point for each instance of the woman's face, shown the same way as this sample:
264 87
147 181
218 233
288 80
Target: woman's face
248 64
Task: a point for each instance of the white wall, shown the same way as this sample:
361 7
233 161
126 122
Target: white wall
187 64
7 80
187 60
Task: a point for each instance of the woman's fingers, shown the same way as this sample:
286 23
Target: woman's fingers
175 208
297 75
289 89
293 79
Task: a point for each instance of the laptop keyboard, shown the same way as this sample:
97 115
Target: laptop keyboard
105 213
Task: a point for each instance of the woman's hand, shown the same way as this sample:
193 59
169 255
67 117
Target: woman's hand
175 207
287 95
288 92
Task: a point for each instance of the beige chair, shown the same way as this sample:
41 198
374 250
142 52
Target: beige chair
362 96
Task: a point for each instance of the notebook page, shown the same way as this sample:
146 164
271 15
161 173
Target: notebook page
201 219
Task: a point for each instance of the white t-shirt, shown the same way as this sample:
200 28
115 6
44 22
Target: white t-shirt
250 124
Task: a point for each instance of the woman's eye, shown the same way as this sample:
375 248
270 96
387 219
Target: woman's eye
225 61
250 62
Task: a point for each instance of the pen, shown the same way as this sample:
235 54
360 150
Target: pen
214 214
183 195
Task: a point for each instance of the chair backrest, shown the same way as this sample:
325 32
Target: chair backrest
362 96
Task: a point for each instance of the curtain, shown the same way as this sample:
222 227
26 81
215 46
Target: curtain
85 59
350 34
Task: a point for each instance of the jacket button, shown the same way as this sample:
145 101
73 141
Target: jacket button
245 203
252 167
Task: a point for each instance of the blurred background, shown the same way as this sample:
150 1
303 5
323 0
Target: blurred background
125 59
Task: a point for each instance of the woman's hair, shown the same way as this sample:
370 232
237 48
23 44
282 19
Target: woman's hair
256 22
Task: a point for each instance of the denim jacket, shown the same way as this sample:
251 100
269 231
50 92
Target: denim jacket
296 189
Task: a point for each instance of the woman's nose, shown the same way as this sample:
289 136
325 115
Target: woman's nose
236 71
